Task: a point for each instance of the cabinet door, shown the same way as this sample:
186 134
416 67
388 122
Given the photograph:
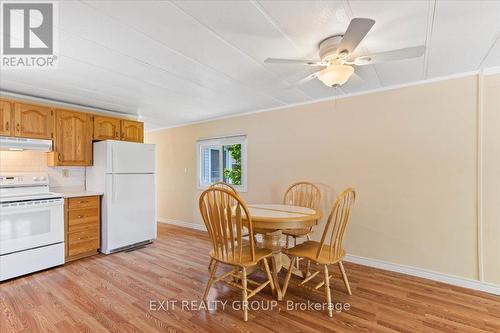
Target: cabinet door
5 118
132 131
106 128
33 121
73 140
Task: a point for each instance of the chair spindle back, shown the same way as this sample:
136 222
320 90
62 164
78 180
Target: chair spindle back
224 185
223 213
337 222
303 194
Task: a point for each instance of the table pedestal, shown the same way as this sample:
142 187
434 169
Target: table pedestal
272 241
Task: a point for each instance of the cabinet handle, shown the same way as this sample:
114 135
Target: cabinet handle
117 135
82 201
59 157
7 126
17 127
80 216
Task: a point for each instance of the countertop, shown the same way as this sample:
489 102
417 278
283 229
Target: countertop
74 192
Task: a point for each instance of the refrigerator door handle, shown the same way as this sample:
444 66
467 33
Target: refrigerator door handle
113 188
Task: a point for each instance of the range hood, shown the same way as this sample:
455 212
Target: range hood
20 144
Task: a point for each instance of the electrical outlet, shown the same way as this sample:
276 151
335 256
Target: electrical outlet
65 172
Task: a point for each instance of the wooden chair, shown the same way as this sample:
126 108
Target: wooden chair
222 212
302 194
221 184
326 254
224 185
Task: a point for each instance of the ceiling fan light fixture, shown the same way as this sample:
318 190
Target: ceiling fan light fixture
335 75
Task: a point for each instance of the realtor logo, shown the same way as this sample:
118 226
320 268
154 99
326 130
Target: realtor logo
28 35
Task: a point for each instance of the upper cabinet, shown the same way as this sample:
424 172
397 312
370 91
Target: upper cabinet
106 128
5 118
132 131
72 131
72 139
33 121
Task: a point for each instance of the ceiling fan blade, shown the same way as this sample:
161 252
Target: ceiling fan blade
357 30
308 78
399 54
293 62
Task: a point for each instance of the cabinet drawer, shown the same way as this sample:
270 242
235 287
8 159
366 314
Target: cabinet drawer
83 236
82 226
83 216
82 246
83 202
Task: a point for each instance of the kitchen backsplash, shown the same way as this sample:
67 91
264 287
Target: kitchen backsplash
34 161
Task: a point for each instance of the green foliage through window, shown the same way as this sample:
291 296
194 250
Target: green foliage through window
232 174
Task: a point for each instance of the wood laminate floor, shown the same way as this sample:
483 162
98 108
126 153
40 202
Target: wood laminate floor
123 292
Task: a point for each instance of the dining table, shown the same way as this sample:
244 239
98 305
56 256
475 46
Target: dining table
270 220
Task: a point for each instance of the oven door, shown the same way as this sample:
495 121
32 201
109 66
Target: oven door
30 224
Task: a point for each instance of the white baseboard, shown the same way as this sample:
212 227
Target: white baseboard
388 266
426 274
182 223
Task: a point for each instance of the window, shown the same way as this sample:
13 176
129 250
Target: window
222 159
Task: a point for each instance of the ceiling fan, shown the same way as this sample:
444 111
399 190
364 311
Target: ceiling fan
336 52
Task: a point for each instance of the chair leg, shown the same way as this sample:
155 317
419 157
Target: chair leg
344 276
210 279
269 276
210 264
308 266
327 292
308 236
288 275
244 293
287 244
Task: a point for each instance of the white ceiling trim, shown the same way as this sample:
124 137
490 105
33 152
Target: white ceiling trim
428 37
493 70
44 88
53 102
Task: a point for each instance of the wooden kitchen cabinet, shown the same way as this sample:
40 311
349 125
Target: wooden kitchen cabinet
132 131
5 118
33 121
82 227
72 139
106 128
72 131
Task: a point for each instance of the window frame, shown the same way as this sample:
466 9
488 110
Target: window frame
219 142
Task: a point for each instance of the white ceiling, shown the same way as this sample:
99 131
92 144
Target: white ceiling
177 62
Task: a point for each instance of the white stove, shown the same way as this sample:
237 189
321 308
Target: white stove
31 225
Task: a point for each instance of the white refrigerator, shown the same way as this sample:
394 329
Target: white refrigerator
126 173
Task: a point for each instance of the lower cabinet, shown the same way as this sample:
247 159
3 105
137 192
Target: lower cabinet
83 225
